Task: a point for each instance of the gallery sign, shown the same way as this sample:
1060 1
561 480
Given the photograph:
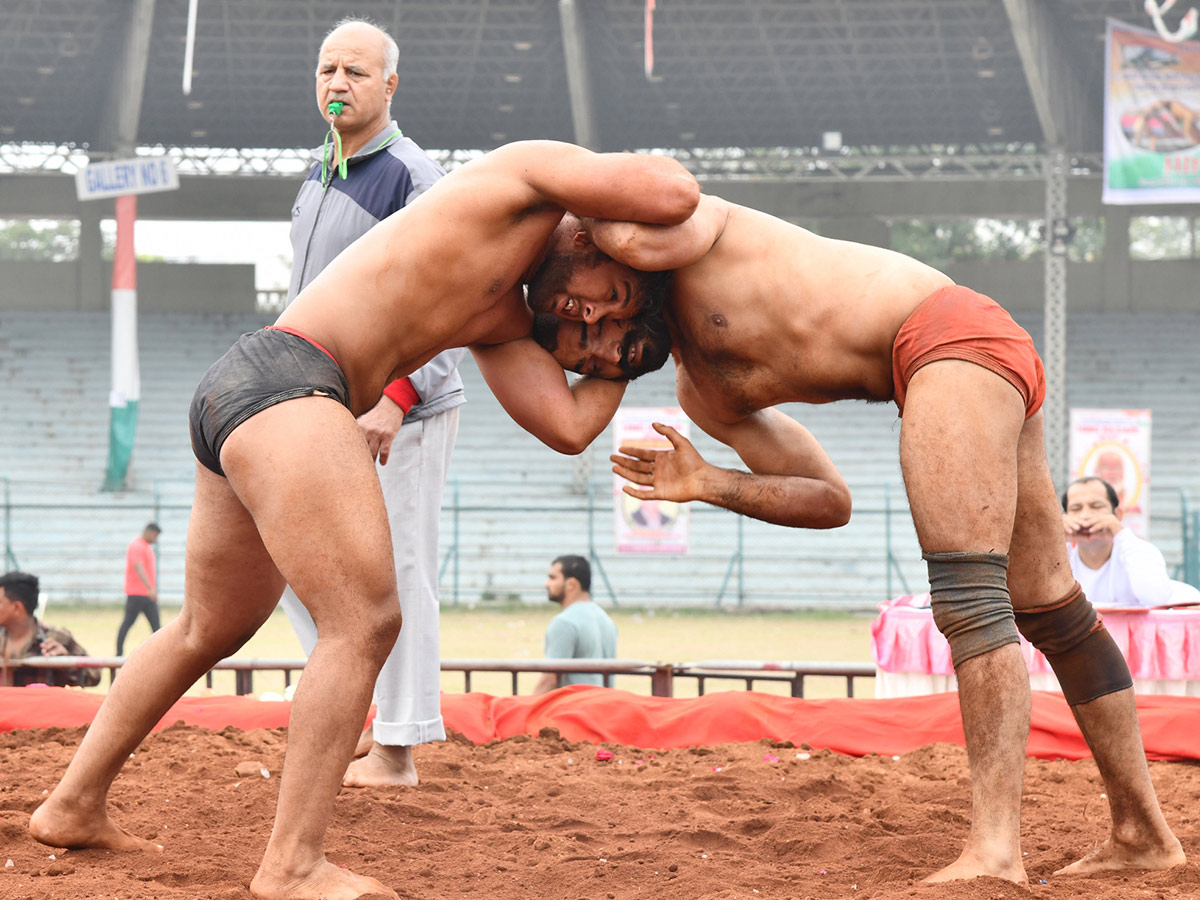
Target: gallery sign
116 177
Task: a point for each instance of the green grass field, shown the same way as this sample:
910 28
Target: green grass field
516 633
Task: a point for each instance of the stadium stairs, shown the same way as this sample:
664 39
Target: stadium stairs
520 504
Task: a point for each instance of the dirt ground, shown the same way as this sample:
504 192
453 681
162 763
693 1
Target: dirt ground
545 818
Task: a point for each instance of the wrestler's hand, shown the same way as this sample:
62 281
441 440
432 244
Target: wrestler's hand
379 426
666 474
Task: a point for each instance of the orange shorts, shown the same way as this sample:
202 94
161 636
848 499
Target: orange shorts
958 323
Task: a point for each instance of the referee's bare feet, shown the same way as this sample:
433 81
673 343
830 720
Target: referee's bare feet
365 740
383 766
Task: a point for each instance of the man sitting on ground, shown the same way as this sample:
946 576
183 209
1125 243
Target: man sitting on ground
22 635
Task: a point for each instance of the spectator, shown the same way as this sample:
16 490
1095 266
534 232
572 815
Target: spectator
1114 566
141 583
582 630
412 429
22 635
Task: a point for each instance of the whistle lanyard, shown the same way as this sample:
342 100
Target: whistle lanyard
337 140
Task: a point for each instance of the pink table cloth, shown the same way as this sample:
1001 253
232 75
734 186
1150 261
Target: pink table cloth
1159 644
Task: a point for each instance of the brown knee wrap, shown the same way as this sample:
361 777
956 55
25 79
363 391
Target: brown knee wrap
971 606
1083 655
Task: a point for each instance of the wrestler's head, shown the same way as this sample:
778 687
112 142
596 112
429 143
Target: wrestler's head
616 349
579 281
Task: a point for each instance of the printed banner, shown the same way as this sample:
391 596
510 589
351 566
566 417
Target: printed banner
1114 444
648 526
1151 118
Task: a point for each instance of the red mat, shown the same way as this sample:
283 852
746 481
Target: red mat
583 713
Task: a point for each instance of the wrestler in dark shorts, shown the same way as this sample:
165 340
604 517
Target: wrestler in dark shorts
262 369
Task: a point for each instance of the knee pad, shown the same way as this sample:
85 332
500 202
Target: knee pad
1083 655
971 606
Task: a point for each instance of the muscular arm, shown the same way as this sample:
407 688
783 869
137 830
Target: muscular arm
656 248
533 389
638 187
791 481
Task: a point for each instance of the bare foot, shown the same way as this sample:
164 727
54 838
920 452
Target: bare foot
1117 855
57 824
971 866
384 766
365 740
325 882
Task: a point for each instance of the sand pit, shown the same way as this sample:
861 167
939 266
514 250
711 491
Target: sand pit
543 818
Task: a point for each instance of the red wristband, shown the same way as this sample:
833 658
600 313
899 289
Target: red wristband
403 394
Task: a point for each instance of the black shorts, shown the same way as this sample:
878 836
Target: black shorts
262 369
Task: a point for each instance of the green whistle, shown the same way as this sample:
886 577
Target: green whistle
335 108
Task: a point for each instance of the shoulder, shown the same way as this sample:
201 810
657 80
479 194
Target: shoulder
560 634
413 171
412 156
62 635
587 611
1129 544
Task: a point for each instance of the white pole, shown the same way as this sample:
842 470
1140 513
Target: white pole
190 48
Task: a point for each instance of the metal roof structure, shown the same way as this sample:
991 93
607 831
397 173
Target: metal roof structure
889 75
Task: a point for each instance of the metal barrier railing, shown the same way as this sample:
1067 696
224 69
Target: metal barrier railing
662 675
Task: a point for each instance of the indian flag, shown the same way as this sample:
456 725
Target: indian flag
126 383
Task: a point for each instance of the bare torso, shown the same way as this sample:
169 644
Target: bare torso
445 271
774 313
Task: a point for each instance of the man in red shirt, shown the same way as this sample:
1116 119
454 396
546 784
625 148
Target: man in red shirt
141 583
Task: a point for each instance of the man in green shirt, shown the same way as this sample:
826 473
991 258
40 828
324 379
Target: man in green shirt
582 630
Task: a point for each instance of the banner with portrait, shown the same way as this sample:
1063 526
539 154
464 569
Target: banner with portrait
1151 118
1114 444
648 526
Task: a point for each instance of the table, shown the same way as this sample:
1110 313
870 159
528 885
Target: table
1162 647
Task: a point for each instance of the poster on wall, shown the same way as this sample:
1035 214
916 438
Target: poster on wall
648 526
1114 444
1151 118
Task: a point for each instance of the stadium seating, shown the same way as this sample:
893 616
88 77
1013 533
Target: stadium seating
513 504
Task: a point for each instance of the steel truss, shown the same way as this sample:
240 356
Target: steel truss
962 163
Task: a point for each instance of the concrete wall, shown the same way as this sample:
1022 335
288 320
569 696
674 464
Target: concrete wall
162 287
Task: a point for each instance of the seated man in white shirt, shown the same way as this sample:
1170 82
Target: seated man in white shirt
1114 566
